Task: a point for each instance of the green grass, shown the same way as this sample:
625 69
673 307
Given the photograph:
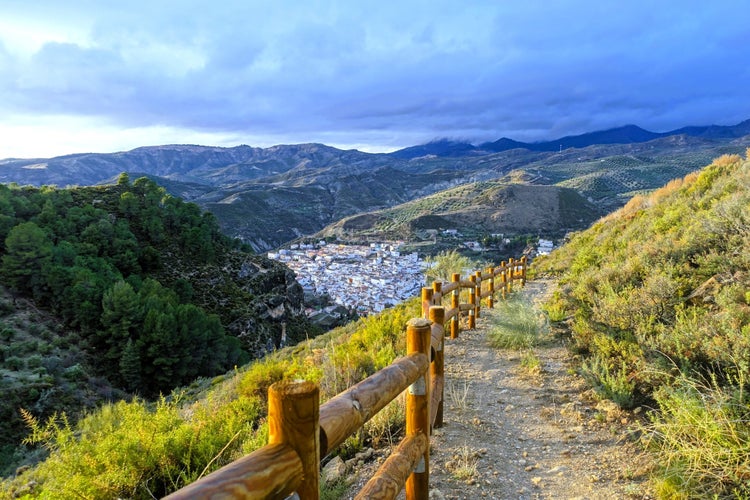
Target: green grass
140 450
516 324
656 295
702 437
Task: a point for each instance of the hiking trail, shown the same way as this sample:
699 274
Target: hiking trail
510 433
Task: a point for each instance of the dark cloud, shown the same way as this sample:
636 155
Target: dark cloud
379 74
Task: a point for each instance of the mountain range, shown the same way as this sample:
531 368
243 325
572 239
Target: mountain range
619 135
270 196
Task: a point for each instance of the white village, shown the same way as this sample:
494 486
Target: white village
365 279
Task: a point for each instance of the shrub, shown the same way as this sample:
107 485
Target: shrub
702 439
7 333
660 303
609 381
142 450
516 324
14 363
34 361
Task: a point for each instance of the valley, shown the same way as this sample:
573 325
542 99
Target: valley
106 273
269 197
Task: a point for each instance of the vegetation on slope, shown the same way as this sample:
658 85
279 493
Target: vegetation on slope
144 450
658 297
124 285
477 210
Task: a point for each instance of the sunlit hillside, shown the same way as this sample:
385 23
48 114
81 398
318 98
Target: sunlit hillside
657 297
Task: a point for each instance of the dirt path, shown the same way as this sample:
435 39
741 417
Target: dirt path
510 434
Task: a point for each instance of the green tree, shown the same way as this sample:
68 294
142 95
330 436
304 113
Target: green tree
130 366
27 250
120 316
123 180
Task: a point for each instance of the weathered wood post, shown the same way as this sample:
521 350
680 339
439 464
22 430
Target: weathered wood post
437 368
418 334
473 302
478 291
293 419
491 298
511 268
503 279
437 293
524 264
426 301
455 300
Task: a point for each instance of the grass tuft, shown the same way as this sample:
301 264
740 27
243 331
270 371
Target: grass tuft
517 325
702 440
463 465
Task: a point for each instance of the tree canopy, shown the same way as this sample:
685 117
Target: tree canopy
88 254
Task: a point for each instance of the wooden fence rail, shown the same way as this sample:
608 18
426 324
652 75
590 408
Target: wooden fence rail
301 431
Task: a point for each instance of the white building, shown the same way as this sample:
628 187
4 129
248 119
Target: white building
544 247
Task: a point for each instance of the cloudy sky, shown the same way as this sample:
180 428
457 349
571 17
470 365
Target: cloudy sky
94 76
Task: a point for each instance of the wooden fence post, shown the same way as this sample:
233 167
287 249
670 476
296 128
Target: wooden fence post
491 298
509 272
524 261
426 301
478 291
293 419
473 302
418 334
437 293
437 368
503 279
455 321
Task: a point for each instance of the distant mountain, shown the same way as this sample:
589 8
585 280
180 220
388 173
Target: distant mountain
441 147
270 196
620 135
504 144
716 131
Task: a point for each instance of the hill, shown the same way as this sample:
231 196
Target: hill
122 289
135 449
657 297
477 210
268 197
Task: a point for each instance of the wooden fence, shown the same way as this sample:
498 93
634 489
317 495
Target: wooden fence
301 431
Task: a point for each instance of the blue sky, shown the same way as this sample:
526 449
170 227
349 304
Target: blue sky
94 76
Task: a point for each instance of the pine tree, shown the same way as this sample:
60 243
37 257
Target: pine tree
130 366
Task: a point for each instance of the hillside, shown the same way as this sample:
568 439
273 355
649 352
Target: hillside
657 297
114 290
478 210
135 449
270 196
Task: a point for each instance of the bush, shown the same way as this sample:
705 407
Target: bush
702 439
659 296
609 381
7 333
141 450
516 325
14 363
34 361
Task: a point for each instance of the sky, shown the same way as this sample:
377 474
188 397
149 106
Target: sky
94 76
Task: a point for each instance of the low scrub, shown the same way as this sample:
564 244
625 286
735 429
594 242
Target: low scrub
516 324
703 439
657 298
142 450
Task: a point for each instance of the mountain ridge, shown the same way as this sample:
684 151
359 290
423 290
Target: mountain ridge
270 196
617 135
